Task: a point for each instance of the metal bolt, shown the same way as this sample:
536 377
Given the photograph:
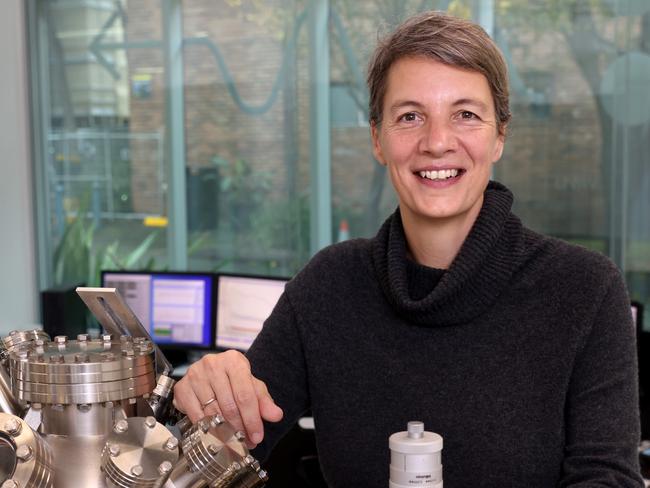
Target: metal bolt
10 484
24 453
58 407
39 342
61 339
107 337
165 467
81 358
132 401
137 470
128 352
217 420
263 475
213 449
239 435
84 407
83 337
171 444
121 426
107 356
204 426
114 450
150 422
56 358
13 427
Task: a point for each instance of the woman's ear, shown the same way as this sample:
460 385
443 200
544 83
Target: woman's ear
376 145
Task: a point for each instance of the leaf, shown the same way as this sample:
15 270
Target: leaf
135 255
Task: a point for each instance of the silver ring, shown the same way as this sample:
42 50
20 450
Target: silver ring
211 400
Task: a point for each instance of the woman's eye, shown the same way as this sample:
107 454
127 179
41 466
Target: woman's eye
409 117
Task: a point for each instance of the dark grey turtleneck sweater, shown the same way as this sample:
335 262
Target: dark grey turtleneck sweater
521 355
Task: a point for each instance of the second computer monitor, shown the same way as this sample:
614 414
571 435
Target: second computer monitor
243 304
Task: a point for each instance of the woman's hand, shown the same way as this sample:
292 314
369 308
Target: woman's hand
223 384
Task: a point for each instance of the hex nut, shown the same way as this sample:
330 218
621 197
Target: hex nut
137 470
121 426
13 427
114 450
150 422
171 444
165 467
24 453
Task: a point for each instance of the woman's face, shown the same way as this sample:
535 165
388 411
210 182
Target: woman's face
438 137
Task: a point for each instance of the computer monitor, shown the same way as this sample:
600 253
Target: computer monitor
176 308
243 304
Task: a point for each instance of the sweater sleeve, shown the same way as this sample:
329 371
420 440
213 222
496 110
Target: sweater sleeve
277 358
602 407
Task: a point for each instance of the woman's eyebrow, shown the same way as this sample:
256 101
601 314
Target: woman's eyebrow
470 101
399 104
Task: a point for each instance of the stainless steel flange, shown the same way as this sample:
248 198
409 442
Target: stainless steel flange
214 454
14 341
25 459
83 371
17 338
138 452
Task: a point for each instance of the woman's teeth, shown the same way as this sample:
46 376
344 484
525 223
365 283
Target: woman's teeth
442 174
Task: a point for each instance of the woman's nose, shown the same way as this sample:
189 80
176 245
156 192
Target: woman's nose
438 138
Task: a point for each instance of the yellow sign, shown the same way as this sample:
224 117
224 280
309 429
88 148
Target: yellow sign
155 221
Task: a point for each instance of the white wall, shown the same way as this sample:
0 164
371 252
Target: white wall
18 288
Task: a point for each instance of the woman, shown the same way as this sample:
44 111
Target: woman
517 348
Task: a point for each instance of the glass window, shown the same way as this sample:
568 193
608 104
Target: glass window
225 134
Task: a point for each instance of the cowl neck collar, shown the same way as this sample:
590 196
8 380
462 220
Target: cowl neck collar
491 253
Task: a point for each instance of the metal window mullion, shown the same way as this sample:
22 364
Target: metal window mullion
40 124
319 123
175 134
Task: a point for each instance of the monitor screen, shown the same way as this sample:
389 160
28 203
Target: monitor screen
243 304
175 308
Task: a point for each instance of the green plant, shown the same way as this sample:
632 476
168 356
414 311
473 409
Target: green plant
77 259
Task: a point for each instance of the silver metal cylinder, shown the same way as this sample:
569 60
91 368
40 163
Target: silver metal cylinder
160 400
14 341
138 453
83 371
25 458
8 402
214 454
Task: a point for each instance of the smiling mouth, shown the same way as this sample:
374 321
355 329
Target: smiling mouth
441 175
